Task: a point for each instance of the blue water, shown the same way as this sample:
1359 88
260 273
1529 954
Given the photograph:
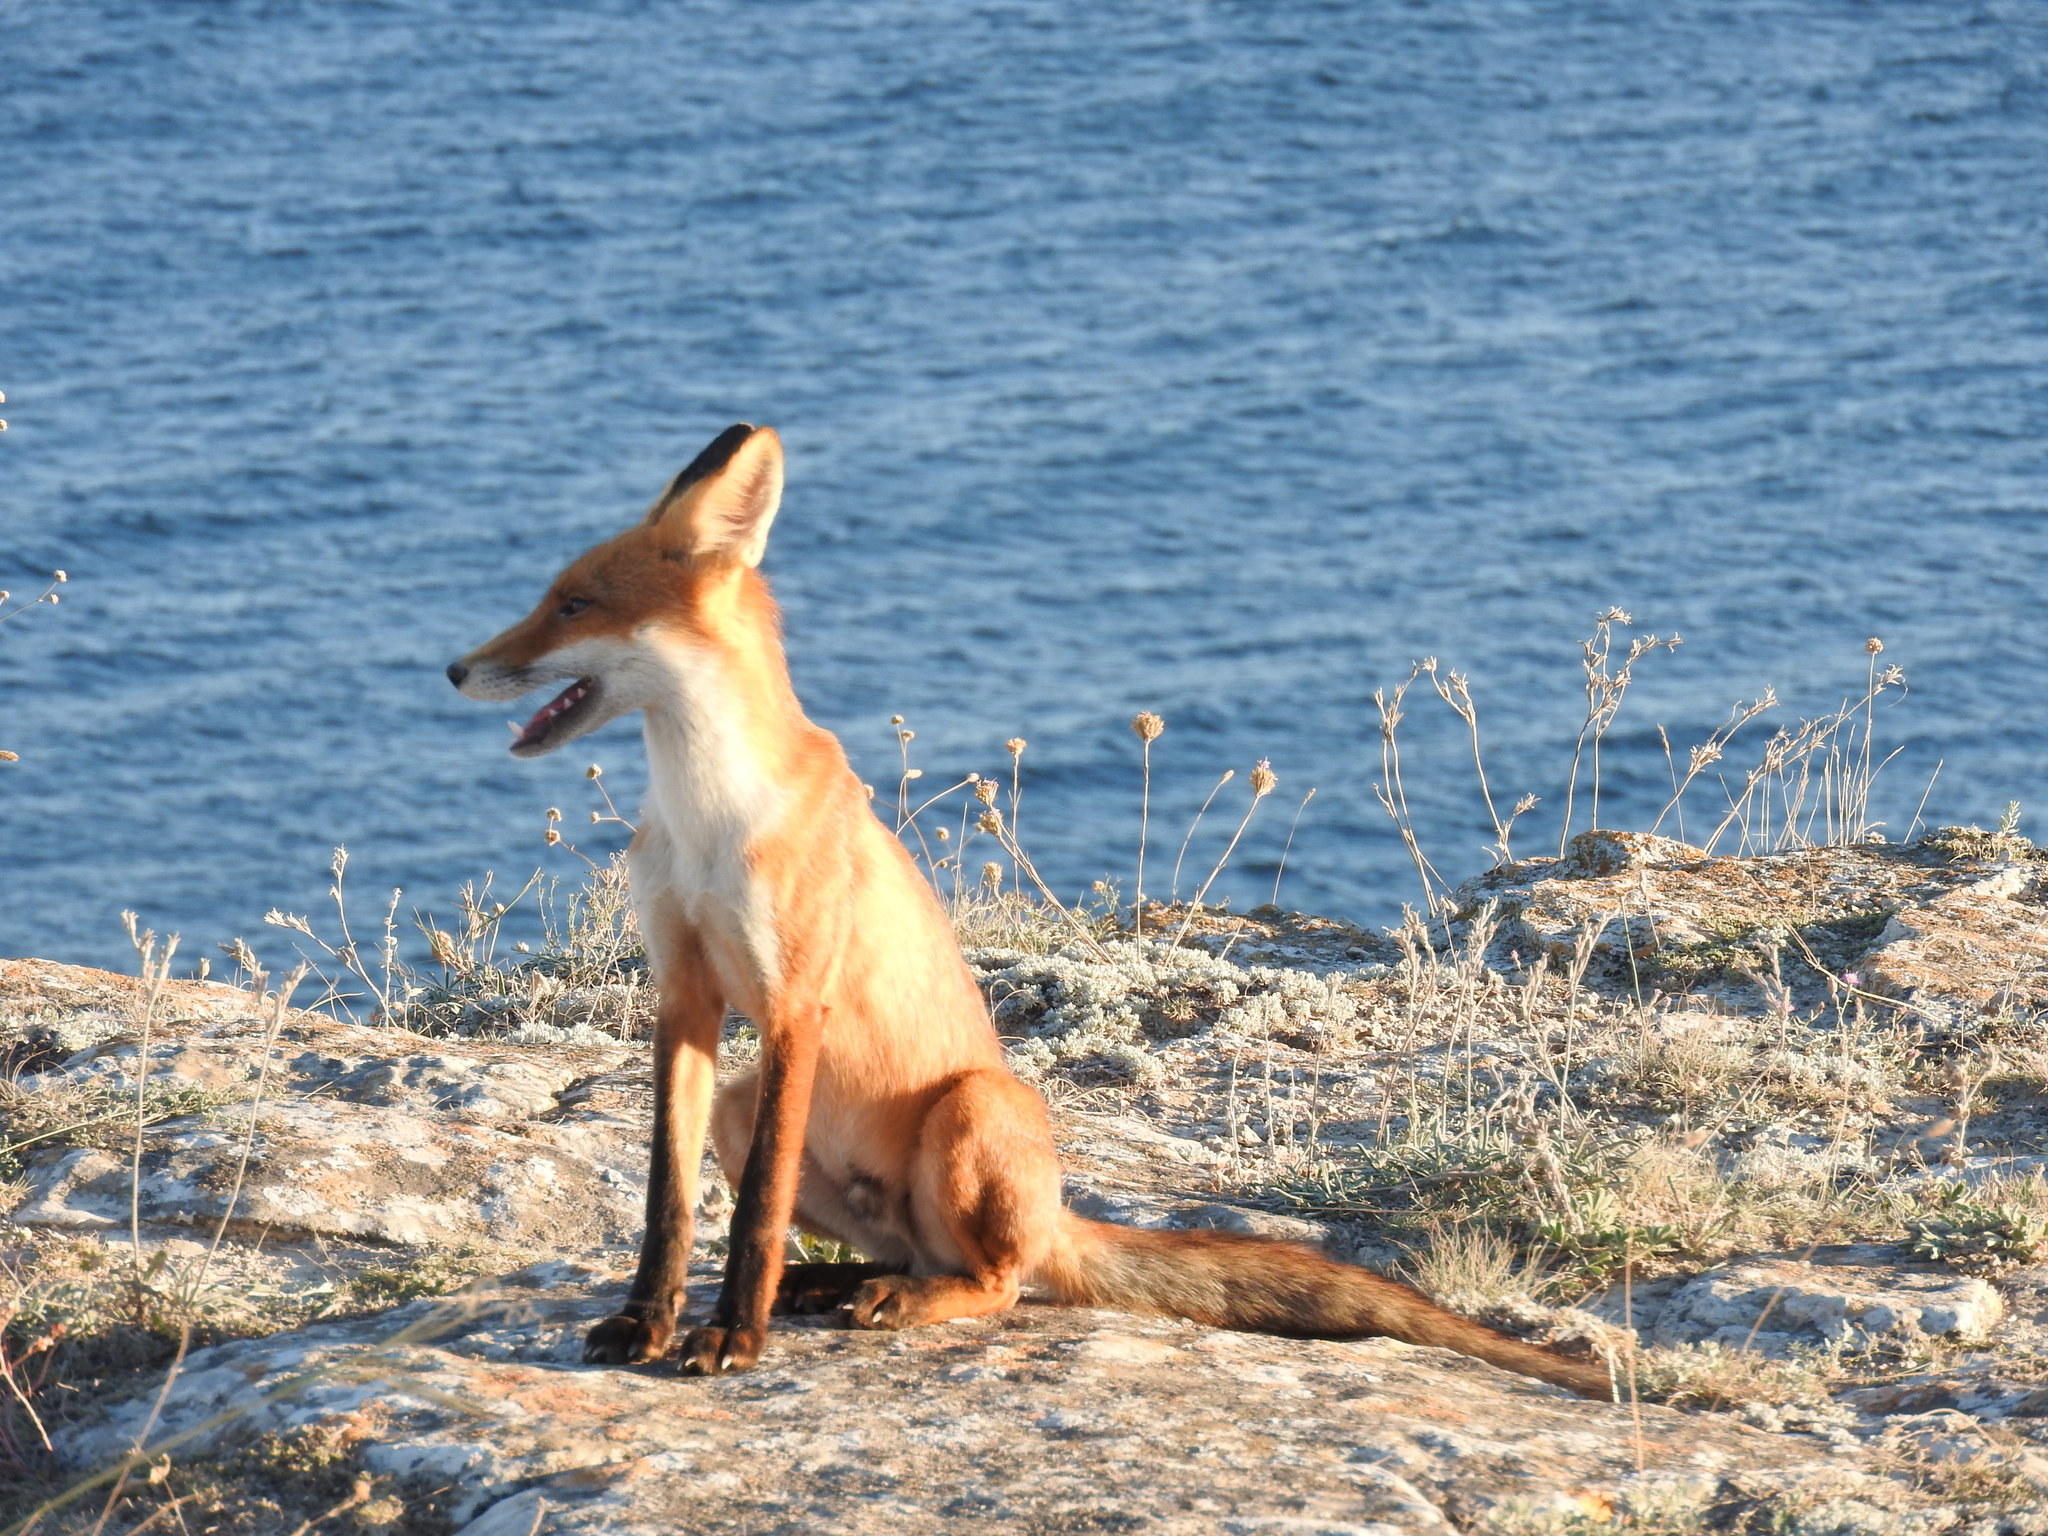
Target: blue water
1218 359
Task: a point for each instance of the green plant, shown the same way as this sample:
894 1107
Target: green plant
1978 1231
1595 1241
822 1250
1963 845
382 1287
89 1114
1712 1376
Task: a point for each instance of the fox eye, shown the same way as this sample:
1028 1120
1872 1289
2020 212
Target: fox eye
573 606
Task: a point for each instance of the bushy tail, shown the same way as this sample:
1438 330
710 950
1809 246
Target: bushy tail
1259 1285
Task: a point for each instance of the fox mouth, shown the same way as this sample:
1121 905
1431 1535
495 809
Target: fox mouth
556 718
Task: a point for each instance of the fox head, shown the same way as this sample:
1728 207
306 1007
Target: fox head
613 623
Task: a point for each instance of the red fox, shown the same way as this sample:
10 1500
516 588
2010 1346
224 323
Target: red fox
881 1115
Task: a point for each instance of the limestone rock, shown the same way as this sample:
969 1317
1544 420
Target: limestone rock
348 1170
1025 1422
373 1149
329 1130
1982 942
1771 1306
1607 852
1917 924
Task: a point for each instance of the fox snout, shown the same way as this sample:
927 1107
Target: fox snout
581 707
482 676
476 676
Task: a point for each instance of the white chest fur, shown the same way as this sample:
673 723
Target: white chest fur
709 799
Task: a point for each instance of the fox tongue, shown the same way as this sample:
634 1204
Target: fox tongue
544 717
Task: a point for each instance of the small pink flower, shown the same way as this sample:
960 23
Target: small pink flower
1852 978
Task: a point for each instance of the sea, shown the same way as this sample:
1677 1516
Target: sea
1220 360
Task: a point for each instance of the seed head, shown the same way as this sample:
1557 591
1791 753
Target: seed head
895 719
985 791
60 575
1263 779
906 735
945 836
51 599
913 773
1016 746
552 837
593 772
1873 645
1147 726
10 757
869 789
553 814
991 822
992 874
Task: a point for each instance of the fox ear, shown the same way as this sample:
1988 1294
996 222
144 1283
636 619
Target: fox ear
727 497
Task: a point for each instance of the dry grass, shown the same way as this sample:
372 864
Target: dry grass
49 595
1599 1132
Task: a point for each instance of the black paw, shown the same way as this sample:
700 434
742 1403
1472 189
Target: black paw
627 1340
715 1351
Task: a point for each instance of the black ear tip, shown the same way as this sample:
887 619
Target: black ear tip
716 455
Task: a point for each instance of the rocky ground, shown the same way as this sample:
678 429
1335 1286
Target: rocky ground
1765 1132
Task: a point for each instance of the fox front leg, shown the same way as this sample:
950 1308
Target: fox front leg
685 1068
761 1214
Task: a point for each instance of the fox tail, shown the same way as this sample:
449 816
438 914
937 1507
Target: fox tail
1260 1285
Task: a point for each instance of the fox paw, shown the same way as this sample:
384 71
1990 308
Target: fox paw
715 1351
801 1300
627 1340
894 1301
814 1288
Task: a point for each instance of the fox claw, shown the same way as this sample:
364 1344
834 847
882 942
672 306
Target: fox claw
627 1340
715 1351
888 1303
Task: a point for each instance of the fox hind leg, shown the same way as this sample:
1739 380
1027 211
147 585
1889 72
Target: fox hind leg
987 1177
804 1287
985 1199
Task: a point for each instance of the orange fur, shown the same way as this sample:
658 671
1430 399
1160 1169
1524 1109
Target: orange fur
881 1114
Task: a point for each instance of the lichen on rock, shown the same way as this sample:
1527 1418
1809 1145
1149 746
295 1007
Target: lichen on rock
1101 1008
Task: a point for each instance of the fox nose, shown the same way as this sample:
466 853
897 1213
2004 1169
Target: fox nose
457 672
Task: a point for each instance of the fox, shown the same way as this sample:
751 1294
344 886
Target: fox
881 1114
